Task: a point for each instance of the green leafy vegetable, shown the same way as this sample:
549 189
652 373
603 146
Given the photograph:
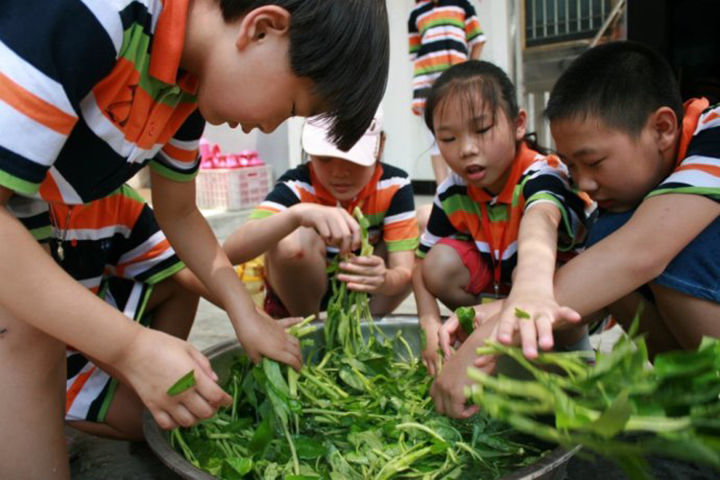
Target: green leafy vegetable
620 407
185 383
466 317
358 410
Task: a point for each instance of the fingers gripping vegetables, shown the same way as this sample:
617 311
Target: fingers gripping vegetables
358 410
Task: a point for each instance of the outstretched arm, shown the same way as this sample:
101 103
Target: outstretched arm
635 254
195 243
334 225
531 307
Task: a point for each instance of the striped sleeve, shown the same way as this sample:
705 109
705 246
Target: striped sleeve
285 194
547 181
439 225
145 255
400 229
414 37
474 34
43 77
699 172
179 159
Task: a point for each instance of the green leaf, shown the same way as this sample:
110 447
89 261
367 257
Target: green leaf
262 437
309 448
236 468
522 314
466 318
185 383
614 419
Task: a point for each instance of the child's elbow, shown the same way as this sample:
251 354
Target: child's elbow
646 265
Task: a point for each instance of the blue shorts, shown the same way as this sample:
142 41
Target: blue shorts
695 271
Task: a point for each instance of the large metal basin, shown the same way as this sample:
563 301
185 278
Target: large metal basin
550 467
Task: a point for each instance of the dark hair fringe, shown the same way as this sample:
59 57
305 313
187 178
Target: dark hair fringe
620 83
343 47
474 79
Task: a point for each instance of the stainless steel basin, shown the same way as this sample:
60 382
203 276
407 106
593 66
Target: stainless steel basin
550 467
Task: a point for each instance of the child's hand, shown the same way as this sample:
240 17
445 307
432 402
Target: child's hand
261 336
451 334
365 274
334 225
154 362
430 357
448 390
534 316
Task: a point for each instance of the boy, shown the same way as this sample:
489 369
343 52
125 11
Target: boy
307 218
114 248
441 33
653 166
654 169
104 88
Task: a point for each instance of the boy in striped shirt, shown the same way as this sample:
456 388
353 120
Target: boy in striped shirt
90 92
441 33
114 247
653 166
307 220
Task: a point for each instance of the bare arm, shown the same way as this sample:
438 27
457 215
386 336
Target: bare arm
50 300
635 254
429 319
255 237
399 274
336 227
195 243
476 51
532 292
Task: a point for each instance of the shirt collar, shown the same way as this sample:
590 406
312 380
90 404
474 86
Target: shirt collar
693 109
167 46
326 197
525 156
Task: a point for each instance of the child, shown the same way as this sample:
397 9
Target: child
653 166
503 212
103 89
307 218
114 248
442 33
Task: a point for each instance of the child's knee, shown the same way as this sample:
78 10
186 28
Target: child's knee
295 250
441 269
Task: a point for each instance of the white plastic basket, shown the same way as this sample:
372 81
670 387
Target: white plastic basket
233 188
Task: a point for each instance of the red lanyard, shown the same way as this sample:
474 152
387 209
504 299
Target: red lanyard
496 263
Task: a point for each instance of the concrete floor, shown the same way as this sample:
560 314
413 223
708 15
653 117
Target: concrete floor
101 459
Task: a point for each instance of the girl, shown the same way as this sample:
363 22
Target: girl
308 218
497 221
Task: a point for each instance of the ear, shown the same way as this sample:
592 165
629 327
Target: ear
664 124
261 23
520 125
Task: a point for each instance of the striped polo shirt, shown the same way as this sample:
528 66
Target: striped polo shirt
387 202
116 236
441 33
457 210
92 94
697 170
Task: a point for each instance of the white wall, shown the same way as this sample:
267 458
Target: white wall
407 145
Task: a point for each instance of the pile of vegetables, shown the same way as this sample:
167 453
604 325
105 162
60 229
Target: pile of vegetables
621 407
357 410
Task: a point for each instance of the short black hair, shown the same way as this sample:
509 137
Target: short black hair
474 79
620 83
343 47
